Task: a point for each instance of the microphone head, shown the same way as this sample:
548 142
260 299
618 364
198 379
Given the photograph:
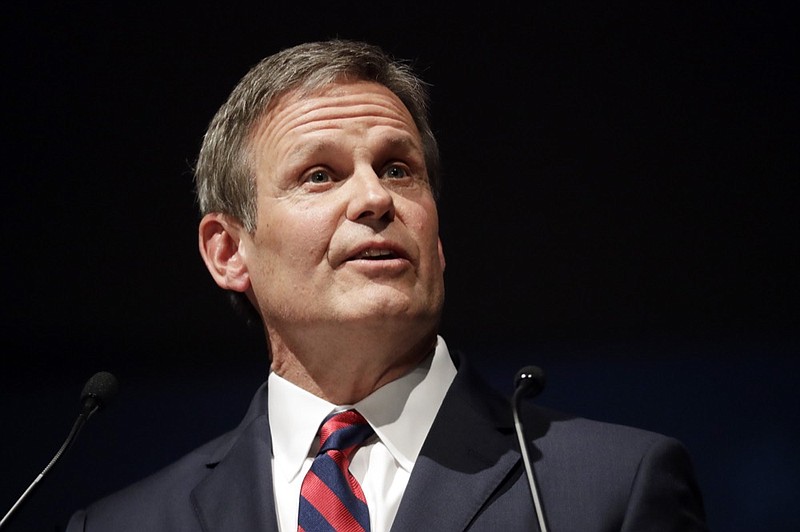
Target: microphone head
530 380
100 389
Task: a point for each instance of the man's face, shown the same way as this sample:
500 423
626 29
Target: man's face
347 228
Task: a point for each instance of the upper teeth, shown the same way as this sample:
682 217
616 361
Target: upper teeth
368 253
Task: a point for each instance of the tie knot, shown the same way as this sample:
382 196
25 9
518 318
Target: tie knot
343 431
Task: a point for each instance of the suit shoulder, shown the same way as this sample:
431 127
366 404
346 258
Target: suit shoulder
632 475
608 450
154 501
553 424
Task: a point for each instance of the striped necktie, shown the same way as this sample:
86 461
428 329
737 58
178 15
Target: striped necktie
331 498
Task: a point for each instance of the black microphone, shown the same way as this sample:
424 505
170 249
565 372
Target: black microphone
97 393
530 380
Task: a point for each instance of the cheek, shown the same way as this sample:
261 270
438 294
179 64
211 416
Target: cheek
418 212
300 238
424 222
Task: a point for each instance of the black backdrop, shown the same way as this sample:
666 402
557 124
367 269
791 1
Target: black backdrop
619 207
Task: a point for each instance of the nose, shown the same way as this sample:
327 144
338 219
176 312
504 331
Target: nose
369 198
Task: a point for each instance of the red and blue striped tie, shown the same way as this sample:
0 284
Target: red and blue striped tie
331 498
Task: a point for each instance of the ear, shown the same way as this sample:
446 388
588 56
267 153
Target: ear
222 249
441 254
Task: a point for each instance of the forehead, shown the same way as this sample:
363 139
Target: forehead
334 107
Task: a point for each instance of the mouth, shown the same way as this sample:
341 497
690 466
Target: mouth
375 254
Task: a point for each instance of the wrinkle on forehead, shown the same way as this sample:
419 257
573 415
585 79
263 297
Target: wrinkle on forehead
394 140
299 111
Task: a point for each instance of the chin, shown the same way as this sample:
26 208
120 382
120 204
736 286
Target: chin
381 310
380 302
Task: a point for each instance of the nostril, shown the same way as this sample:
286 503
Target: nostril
387 216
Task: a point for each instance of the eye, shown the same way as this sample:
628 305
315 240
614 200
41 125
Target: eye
396 172
318 177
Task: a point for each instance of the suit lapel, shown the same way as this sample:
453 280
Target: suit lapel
467 455
237 494
469 452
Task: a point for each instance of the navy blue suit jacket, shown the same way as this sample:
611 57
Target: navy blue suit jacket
592 476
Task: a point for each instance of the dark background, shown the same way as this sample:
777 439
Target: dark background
619 208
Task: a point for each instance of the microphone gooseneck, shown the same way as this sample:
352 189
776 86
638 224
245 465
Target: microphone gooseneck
530 380
99 390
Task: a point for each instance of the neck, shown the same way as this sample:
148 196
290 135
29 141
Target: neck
343 367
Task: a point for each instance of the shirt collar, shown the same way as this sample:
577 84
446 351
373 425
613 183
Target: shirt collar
294 419
401 413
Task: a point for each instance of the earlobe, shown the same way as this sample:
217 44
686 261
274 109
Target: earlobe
219 238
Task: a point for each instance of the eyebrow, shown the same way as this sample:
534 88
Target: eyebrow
307 149
314 147
404 141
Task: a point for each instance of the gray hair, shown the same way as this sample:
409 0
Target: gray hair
224 174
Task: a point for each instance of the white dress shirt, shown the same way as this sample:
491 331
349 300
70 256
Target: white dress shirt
401 413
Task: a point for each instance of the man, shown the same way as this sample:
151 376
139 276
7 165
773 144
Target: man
316 181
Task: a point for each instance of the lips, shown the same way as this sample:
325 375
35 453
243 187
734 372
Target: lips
377 252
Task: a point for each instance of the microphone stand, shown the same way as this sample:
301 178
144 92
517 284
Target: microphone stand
522 388
73 434
99 390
